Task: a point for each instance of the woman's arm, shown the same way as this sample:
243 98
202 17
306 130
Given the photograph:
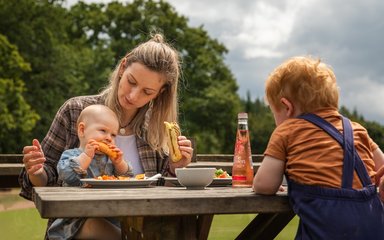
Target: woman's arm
34 163
61 135
269 176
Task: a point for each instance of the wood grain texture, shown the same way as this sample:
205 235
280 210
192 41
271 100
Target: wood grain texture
153 201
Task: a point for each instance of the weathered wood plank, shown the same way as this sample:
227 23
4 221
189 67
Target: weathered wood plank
266 226
11 158
226 166
80 202
166 227
224 158
9 173
9 169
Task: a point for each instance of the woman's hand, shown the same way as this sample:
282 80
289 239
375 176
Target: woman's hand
185 146
33 159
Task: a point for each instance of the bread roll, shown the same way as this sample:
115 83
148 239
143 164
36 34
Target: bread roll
103 147
173 131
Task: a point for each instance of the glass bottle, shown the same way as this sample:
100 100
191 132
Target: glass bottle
242 170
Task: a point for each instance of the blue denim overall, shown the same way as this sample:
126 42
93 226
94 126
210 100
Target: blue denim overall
345 213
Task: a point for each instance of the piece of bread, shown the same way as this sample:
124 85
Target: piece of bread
103 147
140 176
173 131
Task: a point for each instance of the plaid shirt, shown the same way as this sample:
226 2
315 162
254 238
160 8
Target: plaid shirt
62 135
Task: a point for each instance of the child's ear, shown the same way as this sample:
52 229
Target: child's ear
80 129
289 107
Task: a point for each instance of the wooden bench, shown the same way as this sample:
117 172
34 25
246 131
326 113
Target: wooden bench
11 165
223 161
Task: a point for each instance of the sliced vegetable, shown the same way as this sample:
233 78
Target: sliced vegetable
220 173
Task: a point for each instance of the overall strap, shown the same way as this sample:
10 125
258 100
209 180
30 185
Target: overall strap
351 156
359 165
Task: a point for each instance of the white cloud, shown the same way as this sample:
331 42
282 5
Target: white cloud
253 28
260 34
364 94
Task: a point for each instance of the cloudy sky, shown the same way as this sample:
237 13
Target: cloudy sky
260 34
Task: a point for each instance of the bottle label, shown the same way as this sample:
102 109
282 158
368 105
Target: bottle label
239 178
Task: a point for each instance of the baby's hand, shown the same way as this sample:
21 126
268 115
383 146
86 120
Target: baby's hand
90 148
119 155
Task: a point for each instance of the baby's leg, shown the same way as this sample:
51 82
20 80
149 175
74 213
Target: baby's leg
98 228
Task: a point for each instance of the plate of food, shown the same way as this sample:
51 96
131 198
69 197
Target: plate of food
221 179
117 182
221 182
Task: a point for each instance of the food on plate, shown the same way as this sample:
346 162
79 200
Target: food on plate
111 177
140 176
105 148
173 132
220 173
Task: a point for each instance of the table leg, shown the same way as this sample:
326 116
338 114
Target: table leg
266 226
204 223
166 227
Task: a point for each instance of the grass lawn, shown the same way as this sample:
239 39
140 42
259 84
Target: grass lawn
22 224
27 224
229 226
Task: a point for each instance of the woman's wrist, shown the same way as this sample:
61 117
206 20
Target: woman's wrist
38 178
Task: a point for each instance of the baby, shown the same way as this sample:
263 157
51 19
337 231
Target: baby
96 124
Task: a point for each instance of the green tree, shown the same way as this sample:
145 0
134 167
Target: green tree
71 51
62 65
375 130
16 117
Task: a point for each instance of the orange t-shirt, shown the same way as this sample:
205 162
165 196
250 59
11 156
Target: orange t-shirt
315 158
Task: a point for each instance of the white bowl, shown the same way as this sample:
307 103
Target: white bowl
195 178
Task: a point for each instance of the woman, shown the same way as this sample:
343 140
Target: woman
142 91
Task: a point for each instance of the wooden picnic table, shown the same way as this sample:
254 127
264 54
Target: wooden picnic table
159 212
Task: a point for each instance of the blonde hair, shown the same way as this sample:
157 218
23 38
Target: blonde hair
305 81
158 56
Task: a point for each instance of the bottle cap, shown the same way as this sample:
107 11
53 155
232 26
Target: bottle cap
242 115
